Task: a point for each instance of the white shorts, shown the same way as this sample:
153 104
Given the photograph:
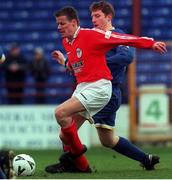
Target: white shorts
93 96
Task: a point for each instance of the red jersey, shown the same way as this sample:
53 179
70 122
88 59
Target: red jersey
86 53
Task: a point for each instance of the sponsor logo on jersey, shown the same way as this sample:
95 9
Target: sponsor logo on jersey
77 66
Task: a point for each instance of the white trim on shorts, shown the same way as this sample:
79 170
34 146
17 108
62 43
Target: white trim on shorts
104 126
93 96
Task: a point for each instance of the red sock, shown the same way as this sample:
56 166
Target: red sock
66 148
72 138
81 163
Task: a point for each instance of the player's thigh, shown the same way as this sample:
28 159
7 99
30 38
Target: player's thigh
70 107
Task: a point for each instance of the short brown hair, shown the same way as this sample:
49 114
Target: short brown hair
104 6
68 11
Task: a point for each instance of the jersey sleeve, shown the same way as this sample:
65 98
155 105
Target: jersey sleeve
105 41
121 55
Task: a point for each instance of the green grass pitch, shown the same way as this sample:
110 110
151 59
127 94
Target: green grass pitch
109 165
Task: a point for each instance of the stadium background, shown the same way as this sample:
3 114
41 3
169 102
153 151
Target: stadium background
147 116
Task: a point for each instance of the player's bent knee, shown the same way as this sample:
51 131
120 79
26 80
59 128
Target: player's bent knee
59 114
61 118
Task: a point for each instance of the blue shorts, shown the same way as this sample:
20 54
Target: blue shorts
106 117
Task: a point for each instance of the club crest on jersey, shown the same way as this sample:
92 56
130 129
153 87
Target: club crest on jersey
78 52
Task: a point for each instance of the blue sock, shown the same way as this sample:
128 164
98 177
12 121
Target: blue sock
130 150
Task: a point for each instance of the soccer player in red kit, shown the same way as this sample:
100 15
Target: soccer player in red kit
86 49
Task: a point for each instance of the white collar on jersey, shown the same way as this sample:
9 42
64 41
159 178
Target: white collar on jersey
113 28
76 32
74 36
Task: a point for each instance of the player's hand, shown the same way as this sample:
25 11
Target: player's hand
58 56
159 47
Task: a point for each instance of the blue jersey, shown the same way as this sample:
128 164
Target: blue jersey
117 60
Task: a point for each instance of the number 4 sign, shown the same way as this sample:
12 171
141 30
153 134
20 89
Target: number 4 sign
153 109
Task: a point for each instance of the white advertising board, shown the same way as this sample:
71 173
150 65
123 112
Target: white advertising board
35 127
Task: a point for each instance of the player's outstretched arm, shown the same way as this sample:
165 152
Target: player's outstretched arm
159 47
58 56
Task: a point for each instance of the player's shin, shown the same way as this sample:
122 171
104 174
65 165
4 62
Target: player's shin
72 138
66 147
130 150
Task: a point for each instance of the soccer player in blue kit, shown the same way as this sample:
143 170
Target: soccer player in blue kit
117 59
